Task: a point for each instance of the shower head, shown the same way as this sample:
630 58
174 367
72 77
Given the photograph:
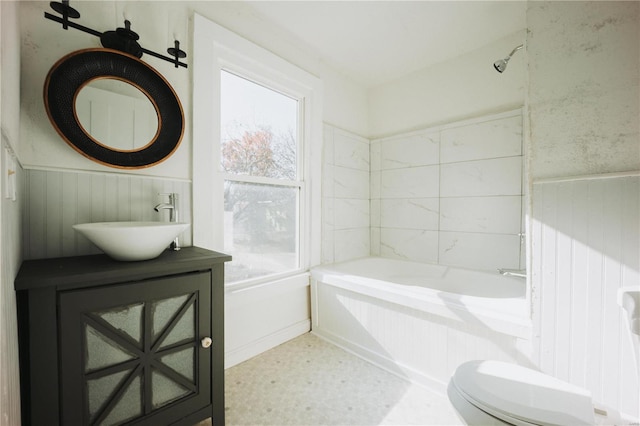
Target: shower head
501 64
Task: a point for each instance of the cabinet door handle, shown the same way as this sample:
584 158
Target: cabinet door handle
206 342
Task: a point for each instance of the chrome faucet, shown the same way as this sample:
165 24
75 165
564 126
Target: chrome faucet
172 206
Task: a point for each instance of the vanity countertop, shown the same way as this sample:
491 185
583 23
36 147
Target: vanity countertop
67 273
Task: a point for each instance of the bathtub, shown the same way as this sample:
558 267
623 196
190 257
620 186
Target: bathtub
420 321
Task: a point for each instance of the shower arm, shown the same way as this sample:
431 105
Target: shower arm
515 50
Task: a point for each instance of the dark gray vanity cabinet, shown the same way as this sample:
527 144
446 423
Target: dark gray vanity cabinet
105 342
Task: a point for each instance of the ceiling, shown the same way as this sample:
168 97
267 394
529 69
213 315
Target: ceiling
377 41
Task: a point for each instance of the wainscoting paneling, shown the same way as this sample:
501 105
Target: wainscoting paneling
261 317
422 347
586 245
9 265
56 200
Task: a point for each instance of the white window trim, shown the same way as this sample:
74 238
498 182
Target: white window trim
215 48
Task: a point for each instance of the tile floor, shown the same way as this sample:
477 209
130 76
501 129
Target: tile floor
308 381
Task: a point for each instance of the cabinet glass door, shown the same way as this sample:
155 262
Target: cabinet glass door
138 350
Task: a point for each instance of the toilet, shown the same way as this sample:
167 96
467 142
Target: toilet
499 393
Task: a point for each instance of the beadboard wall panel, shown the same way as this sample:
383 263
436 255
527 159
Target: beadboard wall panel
586 245
9 265
56 200
420 346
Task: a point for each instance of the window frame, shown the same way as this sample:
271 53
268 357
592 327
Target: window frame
216 49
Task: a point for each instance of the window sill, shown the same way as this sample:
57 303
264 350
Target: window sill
292 279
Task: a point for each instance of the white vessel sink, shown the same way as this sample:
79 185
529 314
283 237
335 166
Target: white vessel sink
130 241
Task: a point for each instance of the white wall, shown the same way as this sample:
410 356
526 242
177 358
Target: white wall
583 99
464 87
584 86
9 212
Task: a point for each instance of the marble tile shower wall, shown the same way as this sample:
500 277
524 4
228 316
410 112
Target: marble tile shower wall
345 196
451 195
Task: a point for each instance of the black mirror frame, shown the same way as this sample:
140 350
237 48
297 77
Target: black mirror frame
71 73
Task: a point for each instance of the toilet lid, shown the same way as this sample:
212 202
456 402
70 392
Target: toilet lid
510 391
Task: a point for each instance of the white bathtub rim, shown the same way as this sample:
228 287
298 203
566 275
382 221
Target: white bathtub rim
510 316
405 262
322 272
504 323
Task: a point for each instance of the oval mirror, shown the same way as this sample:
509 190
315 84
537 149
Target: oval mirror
103 141
117 114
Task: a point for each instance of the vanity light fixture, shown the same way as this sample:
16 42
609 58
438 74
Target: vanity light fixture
122 39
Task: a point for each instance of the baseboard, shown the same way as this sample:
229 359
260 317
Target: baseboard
402 371
265 343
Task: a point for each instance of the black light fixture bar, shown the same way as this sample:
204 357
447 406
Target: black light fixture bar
68 12
174 61
71 24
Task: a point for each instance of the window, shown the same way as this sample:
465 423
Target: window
259 159
257 145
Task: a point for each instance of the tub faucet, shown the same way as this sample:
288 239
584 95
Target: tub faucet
520 273
172 206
